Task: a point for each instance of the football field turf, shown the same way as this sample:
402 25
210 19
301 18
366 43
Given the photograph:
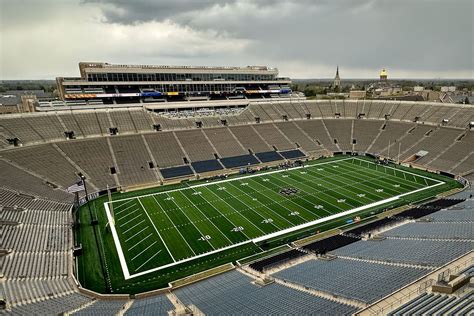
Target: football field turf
159 230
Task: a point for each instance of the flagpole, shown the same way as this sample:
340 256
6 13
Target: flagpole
111 206
399 145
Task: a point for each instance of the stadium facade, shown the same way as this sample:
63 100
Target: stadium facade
103 83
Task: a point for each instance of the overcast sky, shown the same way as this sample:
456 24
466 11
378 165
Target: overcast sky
42 39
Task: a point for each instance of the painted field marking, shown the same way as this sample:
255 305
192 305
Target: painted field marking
137 233
148 260
255 240
126 231
130 220
142 240
128 214
152 223
149 246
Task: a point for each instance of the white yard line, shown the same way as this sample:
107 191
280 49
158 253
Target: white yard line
137 233
141 240
383 181
118 206
128 214
130 220
126 231
128 207
351 184
149 246
255 240
148 260
153 224
192 222
252 208
235 211
174 225
224 216
210 221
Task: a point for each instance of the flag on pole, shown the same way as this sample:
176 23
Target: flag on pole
76 187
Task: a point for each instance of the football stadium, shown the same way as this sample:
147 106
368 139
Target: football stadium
157 190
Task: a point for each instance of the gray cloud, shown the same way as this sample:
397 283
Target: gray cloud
303 38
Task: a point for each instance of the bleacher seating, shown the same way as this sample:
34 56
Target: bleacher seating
351 279
69 120
89 125
273 136
250 139
434 230
46 161
413 251
196 145
391 132
224 142
122 120
20 181
14 199
340 130
133 160
141 120
316 130
53 306
408 140
365 132
297 136
92 156
102 307
47 126
165 149
156 305
437 304
16 126
452 215
434 144
460 150
233 293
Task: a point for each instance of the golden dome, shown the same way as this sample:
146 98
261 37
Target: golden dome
383 73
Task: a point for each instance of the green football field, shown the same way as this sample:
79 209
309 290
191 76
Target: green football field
163 229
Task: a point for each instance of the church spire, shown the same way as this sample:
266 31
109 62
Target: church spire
337 79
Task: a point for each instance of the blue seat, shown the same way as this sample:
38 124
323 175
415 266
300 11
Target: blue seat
239 161
206 165
269 156
292 154
174 172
